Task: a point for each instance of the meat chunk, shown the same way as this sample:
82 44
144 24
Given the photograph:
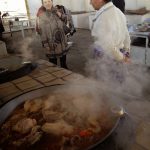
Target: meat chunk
93 124
48 104
58 128
52 116
33 137
32 106
24 126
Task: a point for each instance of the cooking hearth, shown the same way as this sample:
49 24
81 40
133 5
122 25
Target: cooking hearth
47 74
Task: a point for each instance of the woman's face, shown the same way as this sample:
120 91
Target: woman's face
48 4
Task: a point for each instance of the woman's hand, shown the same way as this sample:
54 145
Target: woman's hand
59 14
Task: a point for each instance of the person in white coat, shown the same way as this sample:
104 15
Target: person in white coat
110 32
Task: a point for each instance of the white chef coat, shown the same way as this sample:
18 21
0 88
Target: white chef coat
110 31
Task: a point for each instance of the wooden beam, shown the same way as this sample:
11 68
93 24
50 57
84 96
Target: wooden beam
28 10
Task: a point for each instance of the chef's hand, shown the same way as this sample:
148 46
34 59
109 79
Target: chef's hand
127 59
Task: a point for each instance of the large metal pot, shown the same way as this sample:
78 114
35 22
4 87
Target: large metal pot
13 67
7 109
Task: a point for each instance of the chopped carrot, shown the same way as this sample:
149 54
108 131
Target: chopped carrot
85 133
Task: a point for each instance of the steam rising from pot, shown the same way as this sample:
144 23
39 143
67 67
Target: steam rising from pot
26 51
126 85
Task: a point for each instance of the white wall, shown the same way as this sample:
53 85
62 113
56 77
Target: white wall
13 5
88 6
81 20
136 4
19 6
84 5
66 3
131 4
34 6
145 2
75 5
78 6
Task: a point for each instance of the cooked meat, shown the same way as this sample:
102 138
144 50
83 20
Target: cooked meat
47 104
55 122
94 125
24 126
19 142
33 105
58 128
12 121
34 137
51 116
75 139
70 117
18 116
35 129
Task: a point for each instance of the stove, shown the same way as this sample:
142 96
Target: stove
47 74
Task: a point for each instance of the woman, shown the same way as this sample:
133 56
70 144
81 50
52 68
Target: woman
53 38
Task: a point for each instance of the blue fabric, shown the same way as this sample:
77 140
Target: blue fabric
125 53
147 20
98 51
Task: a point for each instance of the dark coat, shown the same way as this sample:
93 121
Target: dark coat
119 4
1 26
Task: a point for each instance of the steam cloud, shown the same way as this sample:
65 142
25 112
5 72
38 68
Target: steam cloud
125 85
25 51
